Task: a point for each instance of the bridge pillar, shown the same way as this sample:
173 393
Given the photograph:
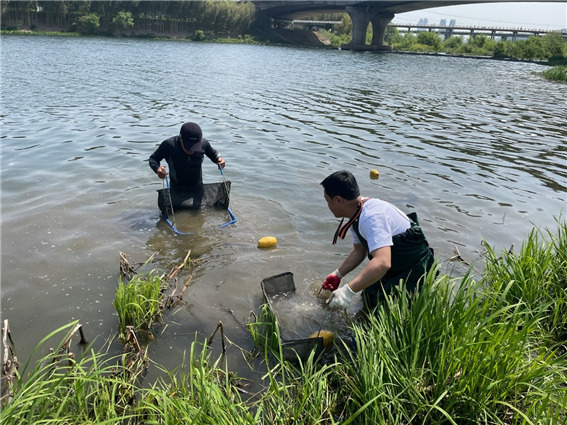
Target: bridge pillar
361 16
380 23
360 19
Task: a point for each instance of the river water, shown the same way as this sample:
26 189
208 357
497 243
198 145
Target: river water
477 147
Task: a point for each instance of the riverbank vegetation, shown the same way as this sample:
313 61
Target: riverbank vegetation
238 22
550 47
130 18
489 349
557 73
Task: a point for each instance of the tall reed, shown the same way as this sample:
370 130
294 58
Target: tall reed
299 392
197 392
59 389
536 277
455 354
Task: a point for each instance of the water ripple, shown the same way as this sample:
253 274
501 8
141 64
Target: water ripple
478 148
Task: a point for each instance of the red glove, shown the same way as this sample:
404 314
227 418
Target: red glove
332 281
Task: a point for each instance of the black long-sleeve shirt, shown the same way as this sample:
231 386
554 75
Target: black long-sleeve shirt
185 171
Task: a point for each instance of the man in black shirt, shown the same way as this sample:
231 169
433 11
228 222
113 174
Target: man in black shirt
184 154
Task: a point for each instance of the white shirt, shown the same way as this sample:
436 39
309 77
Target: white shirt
379 221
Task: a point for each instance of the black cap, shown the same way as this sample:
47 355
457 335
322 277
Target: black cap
192 136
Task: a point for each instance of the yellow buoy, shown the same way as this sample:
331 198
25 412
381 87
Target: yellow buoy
267 242
328 337
374 174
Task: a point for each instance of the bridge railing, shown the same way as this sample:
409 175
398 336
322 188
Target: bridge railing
448 30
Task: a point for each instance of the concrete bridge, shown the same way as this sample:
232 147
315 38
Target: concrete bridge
378 12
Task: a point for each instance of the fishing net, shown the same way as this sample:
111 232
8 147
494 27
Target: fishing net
283 285
210 195
277 285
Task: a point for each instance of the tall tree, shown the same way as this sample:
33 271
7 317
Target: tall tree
55 13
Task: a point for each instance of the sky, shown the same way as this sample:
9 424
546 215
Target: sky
533 15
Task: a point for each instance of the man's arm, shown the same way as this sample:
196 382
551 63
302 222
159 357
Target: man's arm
353 259
374 270
211 153
370 274
157 156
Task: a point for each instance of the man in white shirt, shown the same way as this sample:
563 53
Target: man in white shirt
393 242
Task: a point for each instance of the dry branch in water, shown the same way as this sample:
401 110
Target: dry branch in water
173 300
126 269
9 365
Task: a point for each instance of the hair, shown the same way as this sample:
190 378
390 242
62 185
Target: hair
341 183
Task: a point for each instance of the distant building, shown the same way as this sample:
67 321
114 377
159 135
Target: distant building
423 21
443 23
452 23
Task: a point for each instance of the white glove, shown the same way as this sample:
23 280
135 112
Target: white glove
341 298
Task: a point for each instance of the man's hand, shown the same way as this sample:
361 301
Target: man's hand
161 172
332 281
341 298
221 162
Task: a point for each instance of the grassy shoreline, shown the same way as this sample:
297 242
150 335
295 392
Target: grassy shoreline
40 33
463 351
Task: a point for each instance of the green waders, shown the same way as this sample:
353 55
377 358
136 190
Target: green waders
411 259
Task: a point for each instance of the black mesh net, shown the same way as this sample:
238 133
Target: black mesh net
292 349
211 195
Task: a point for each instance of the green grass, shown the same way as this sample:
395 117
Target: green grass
36 33
536 278
197 392
459 352
139 302
264 330
60 390
557 73
246 39
335 39
455 355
